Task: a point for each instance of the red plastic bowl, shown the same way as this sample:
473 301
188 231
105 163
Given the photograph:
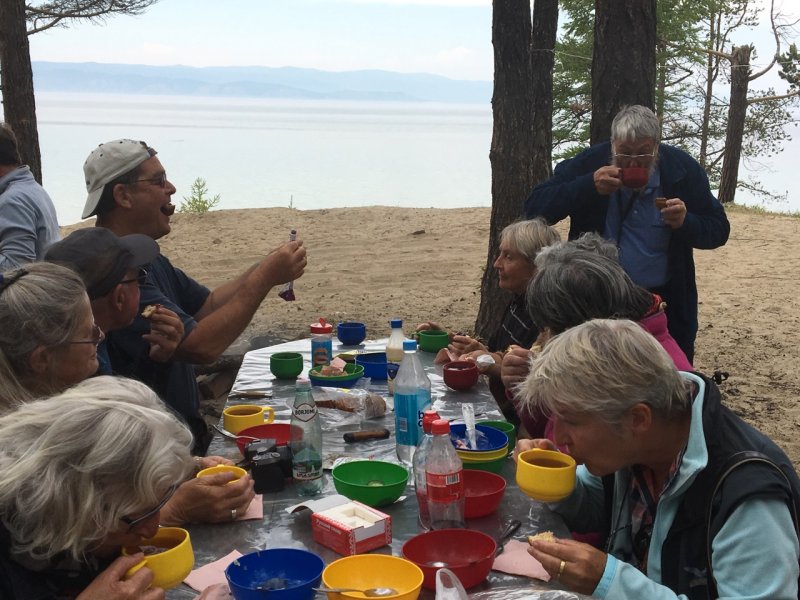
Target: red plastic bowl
484 491
469 554
460 375
269 431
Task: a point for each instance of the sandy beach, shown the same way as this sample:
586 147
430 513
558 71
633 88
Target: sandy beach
371 264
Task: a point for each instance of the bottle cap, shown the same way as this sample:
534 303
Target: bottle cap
395 323
303 383
409 345
428 417
322 327
440 427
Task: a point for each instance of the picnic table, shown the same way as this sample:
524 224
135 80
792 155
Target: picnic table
278 528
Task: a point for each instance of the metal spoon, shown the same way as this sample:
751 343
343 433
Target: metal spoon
377 592
232 436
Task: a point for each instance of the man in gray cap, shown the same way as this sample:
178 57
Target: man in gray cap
129 193
113 268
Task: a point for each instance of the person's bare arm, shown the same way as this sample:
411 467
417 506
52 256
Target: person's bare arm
220 323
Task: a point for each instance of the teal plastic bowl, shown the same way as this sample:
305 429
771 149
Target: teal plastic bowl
352 374
371 482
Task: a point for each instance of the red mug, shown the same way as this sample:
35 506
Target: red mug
634 177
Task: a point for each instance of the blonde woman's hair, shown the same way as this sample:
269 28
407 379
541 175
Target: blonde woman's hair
529 237
72 465
604 367
43 306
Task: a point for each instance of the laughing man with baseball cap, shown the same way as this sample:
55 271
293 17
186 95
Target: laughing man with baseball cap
129 193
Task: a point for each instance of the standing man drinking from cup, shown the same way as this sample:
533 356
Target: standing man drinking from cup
652 200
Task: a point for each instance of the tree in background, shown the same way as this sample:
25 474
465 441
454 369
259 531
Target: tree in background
17 21
623 61
520 153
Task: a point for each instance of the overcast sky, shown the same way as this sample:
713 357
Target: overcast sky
446 37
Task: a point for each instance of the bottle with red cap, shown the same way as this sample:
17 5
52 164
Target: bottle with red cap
444 480
321 343
428 417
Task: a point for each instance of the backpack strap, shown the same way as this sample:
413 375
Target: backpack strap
735 461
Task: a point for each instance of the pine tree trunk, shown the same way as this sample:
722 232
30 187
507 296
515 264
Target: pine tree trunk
16 80
737 111
520 152
623 60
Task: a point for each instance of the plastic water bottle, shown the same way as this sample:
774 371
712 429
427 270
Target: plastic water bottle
412 395
321 343
394 346
420 456
444 480
306 441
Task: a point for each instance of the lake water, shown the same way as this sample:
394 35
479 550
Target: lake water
267 153
312 154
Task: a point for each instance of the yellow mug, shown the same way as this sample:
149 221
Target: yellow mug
545 475
237 471
241 416
168 555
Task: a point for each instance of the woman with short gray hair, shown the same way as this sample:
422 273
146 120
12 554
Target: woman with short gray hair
520 243
697 502
83 474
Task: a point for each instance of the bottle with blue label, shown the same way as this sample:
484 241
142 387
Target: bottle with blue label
321 343
412 395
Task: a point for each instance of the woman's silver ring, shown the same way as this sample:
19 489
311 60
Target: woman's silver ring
233 518
561 570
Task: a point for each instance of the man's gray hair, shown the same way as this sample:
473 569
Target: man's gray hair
604 367
42 307
573 285
635 122
71 466
529 237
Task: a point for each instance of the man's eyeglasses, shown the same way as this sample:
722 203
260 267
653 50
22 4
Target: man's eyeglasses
132 522
141 278
97 337
159 180
635 157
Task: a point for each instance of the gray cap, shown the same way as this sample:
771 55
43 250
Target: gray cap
107 162
101 258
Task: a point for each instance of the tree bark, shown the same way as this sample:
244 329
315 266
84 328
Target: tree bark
543 43
737 111
623 60
516 163
16 80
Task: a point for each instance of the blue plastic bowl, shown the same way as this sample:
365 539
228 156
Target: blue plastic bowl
351 333
374 364
301 571
494 440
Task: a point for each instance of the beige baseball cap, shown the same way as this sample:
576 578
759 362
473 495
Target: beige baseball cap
107 162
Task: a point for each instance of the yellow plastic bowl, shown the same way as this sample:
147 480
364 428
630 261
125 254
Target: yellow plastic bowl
546 475
171 566
238 471
364 571
480 456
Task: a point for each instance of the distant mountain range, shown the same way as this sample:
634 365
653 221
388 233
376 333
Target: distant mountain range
257 82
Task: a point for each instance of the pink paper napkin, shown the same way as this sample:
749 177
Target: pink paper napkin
255 510
515 560
212 573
